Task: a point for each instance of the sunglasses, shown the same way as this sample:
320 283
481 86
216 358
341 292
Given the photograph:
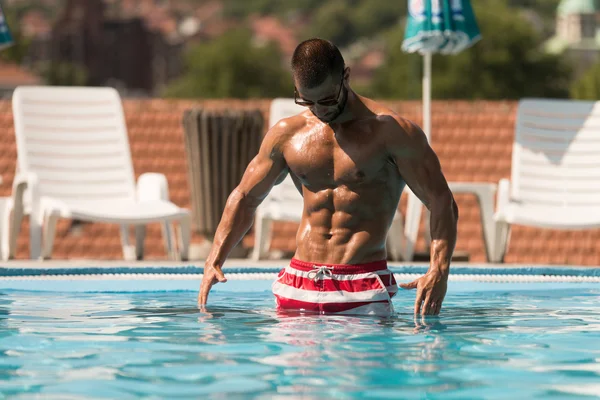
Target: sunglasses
327 102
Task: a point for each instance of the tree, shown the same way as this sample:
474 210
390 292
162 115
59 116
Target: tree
232 66
333 21
372 17
588 86
506 63
18 51
63 74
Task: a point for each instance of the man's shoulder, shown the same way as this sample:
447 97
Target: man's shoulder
283 130
387 119
396 131
291 125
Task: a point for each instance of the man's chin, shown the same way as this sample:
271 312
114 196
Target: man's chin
327 119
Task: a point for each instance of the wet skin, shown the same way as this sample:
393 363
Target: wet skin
350 161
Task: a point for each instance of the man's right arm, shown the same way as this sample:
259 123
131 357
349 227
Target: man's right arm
263 172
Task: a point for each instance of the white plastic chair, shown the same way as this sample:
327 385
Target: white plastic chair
4 203
74 161
484 193
555 177
285 203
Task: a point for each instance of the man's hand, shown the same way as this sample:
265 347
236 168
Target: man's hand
431 290
212 275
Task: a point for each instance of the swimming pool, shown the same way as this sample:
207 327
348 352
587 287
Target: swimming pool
69 335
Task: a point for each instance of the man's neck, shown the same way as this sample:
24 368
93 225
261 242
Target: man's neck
351 109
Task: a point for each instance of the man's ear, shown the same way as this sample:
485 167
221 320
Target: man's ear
347 71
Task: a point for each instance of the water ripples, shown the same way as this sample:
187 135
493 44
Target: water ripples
538 344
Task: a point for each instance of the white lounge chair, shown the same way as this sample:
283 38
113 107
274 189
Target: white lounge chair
4 203
74 162
555 177
484 193
285 203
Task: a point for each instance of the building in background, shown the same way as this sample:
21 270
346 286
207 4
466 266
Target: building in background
91 42
577 33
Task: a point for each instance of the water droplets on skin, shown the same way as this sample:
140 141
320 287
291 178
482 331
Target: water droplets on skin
492 344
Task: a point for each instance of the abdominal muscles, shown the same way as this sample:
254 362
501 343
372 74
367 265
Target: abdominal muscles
346 226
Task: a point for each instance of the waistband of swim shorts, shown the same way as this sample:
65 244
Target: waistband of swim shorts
349 269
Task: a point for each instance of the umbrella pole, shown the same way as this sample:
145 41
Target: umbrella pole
427 95
427 129
415 206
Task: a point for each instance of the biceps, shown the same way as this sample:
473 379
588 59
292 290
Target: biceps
424 176
260 176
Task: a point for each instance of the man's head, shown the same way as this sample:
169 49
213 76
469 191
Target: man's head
320 77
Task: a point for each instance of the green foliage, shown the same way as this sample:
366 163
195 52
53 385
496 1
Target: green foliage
341 21
17 52
588 86
371 17
505 64
231 66
345 21
333 22
63 74
242 8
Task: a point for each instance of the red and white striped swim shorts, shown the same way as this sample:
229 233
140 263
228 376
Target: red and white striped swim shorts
365 289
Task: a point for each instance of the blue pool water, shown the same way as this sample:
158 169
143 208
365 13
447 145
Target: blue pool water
492 341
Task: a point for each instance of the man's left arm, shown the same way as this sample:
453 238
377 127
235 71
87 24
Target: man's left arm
420 168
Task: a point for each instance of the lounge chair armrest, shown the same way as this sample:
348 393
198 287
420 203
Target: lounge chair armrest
152 186
29 182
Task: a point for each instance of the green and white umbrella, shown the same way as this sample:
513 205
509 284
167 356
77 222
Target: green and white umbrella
438 26
6 39
434 26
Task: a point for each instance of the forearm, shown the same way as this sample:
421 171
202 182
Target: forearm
443 228
237 219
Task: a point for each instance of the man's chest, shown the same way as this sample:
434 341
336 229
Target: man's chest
327 158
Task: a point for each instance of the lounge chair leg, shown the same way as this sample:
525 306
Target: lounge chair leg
413 220
486 207
263 233
49 231
36 219
128 251
140 235
502 238
395 238
14 229
167 234
427 230
185 232
10 230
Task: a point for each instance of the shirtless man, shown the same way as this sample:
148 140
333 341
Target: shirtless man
350 158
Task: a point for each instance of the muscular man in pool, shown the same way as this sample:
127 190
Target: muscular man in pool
350 158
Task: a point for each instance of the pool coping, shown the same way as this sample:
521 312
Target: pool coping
31 268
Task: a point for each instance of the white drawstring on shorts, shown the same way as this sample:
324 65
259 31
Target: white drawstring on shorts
320 271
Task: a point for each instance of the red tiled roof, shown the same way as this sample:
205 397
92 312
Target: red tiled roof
13 75
269 28
472 139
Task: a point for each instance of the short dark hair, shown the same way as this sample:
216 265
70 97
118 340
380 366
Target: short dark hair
314 60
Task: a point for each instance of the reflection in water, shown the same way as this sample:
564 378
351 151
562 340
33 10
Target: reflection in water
155 344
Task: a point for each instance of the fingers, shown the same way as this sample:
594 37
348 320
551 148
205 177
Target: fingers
212 275
219 274
411 285
438 307
204 289
426 309
418 301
